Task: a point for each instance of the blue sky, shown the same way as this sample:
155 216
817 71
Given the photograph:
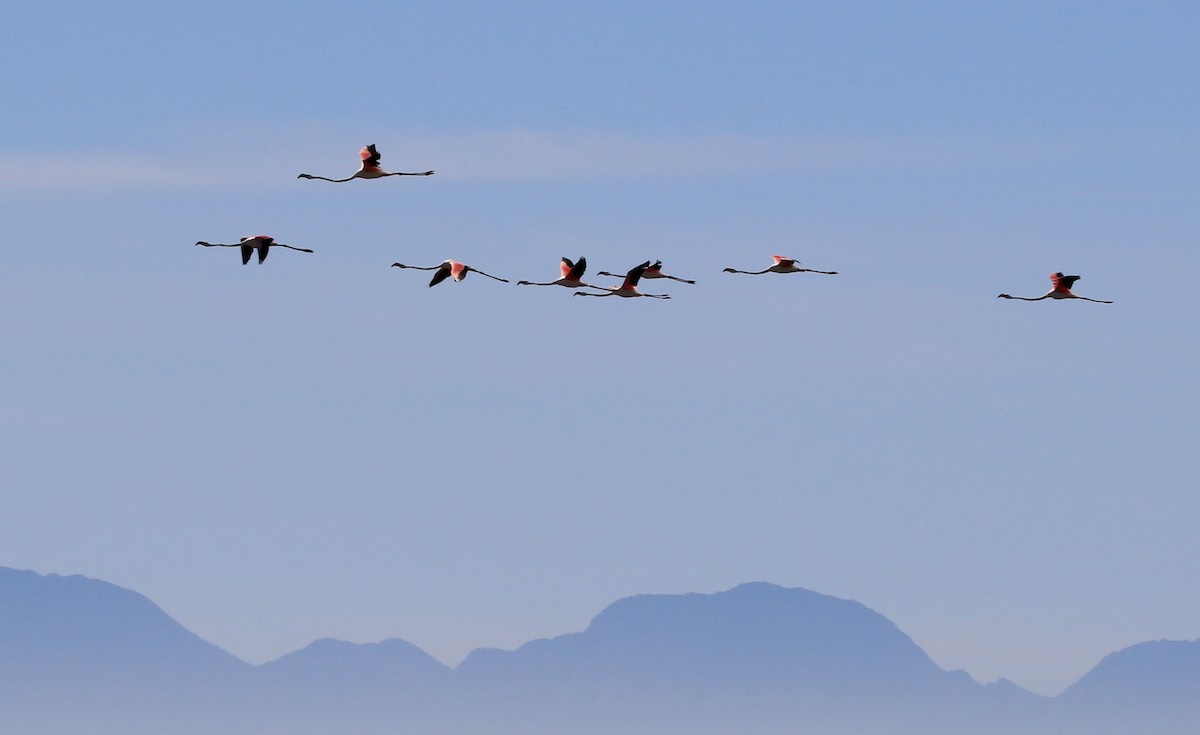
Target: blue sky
322 446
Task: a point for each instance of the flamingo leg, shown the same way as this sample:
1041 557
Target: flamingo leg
476 270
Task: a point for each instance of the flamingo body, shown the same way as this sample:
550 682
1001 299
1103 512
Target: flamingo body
628 289
782 265
653 271
369 169
572 275
1061 289
451 269
251 243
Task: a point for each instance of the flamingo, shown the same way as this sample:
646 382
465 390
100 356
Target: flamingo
449 269
1061 290
261 243
571 275
654 271
628 289
782 265
369 169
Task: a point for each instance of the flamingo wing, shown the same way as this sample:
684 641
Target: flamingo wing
576 269
249 243
442 274
634 275
1063 282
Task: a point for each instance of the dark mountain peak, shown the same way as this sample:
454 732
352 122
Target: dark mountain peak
753 601
1155 670
754 635
389 657
1007 687
758 617
77 624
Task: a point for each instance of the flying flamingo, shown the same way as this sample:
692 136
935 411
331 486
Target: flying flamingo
628 289
571 275
1061 290
369 169
261 243
449 269
654 271
782 265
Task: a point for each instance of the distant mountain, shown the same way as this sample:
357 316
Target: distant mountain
781 658
1154 684
76 649
79 655
331 685
390 663
75 628
759 635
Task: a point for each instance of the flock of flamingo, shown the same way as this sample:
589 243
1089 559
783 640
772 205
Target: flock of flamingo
572 271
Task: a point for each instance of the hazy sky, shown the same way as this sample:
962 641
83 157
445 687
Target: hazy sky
322 446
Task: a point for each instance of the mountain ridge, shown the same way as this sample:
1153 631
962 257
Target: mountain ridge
782 659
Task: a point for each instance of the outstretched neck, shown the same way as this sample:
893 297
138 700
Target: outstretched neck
324 178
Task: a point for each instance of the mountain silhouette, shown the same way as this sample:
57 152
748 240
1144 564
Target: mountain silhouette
67 629
331 685
392 662
756 653
1152 687
80 655
75 650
